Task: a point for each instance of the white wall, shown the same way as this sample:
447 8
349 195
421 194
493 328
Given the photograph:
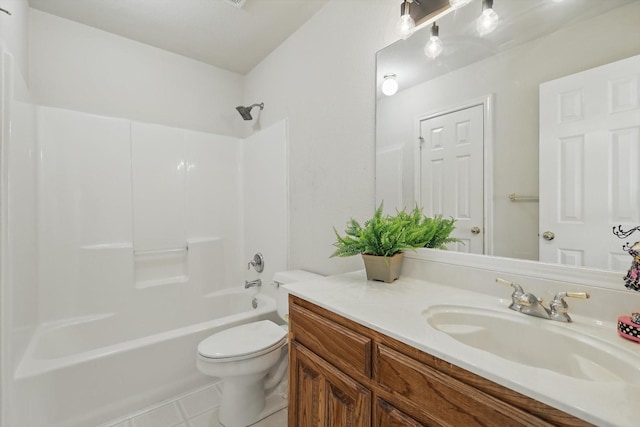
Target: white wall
119 202
80 68
323 80
99 77
18 266
513 77
265 198
13 33
22 215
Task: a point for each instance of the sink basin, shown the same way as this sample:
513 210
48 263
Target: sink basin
536 342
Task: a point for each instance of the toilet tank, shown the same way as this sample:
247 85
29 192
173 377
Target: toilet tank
285 278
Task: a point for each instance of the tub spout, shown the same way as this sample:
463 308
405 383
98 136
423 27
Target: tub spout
250 284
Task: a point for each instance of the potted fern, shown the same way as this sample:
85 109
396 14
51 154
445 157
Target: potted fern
383 238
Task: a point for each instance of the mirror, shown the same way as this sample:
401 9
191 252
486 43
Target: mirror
536 41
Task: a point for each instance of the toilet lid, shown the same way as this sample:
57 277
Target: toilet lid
245 340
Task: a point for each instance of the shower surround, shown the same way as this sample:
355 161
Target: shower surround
128 206
142 237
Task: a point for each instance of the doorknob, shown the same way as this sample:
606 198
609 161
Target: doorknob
475 230
548 235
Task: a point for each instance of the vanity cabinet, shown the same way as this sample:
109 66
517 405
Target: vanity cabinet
324 395
344 374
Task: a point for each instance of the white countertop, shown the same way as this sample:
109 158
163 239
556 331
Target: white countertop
397 310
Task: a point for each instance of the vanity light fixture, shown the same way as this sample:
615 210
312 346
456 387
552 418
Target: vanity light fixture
406 25
456 4
488 21
433 48
389 84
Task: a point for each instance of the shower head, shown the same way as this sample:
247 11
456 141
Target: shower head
245 112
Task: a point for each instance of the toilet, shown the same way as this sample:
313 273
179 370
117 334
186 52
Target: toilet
251 360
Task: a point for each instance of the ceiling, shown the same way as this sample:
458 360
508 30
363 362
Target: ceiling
212 31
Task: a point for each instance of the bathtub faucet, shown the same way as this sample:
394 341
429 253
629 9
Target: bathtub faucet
257 262
250 284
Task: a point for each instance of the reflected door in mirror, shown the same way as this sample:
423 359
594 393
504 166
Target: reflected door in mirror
450 174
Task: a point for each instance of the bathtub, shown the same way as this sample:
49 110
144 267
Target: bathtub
86 371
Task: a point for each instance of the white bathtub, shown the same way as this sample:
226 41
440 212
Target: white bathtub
90 370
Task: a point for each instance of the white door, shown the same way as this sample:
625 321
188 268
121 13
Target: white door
451 173
590 164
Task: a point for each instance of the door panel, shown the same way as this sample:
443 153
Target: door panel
589 157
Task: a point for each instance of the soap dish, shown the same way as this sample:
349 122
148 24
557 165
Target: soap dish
627 329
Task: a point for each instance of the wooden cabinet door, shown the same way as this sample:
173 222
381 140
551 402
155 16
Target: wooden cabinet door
322 396
386 415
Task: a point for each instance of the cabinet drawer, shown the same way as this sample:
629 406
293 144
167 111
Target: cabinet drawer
335 343
444 398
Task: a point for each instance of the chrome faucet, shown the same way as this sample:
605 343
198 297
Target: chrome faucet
250 284
531 305
559 309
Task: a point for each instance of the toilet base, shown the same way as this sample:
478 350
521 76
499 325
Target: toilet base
274 401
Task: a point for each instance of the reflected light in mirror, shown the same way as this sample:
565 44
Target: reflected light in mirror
389 85
433 48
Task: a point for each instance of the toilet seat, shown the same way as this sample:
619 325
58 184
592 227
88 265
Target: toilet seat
243 342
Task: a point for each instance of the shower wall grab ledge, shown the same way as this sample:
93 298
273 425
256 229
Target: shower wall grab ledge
161 251
519 197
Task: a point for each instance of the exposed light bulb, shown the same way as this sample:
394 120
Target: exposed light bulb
433 48
389 85
458 3
488 21
406 25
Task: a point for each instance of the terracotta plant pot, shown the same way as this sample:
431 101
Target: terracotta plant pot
382 268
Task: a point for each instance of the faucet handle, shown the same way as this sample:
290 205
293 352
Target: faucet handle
504 282
559 306
582 295
257 262
517 288
560 296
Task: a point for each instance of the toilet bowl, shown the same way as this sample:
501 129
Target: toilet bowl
251 360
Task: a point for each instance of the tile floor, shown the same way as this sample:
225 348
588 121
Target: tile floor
198 408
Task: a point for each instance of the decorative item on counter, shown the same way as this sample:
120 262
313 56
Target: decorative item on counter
632 279
629 327
384 237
